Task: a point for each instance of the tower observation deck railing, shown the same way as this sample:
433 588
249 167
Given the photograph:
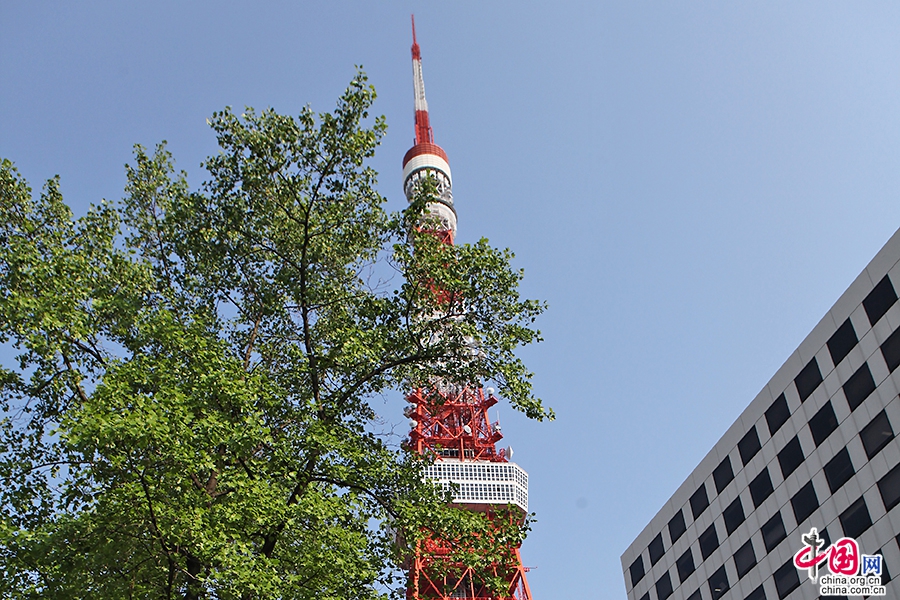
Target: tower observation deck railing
482 482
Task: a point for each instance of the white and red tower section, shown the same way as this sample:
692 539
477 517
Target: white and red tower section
450 421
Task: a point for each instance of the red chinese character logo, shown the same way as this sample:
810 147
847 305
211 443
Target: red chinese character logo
844 559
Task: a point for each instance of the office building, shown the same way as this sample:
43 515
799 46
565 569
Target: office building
815 448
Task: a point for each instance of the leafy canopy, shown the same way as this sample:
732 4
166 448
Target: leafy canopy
190 413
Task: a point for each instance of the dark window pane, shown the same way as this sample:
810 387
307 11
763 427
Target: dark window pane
761 488
744 559
876 434
685 565
709 541
859 386
823 423
790 457
804 502
777 414
723 474
786 579
749 445
839 470
824 535
885 573
734 515
856 519
757 594
695 596
676 526
889 486
879 300
656 549
773 532
842 342
637 570
718 583
890 350
646 596
808 379
664 586
699 501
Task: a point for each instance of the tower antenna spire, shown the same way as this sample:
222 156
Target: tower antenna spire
424 135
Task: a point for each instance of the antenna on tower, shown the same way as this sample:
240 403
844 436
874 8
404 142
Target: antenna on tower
424 134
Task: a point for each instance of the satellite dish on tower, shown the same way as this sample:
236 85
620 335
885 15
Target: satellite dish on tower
509 453
467 429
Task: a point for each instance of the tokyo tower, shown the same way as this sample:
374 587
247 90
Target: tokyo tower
450 422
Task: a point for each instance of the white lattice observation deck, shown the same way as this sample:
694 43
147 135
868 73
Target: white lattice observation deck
478 482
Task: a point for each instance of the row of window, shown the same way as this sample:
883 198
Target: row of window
856 389
838 471
855 520
786 577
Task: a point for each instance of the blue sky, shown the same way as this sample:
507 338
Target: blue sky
689 185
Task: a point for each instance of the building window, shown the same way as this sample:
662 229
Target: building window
773 532
718 583
637 570
890 350
749 445
709 541
876 434
823 423
761 488
695 596
859 386
777 414
790 457
656 549
889 486
664 586
676 526
723 474
842 342
758 594
699 501
856 519
885 574
879 300
823 533
734 515
808 379
744 559
646 596
786 579
839 470
804 502
685 565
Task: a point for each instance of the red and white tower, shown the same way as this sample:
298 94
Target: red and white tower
451 421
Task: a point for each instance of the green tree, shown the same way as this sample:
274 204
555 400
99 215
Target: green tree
190 414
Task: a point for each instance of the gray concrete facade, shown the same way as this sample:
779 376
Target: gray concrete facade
815 448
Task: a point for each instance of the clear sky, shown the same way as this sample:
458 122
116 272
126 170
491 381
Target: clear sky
689 185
